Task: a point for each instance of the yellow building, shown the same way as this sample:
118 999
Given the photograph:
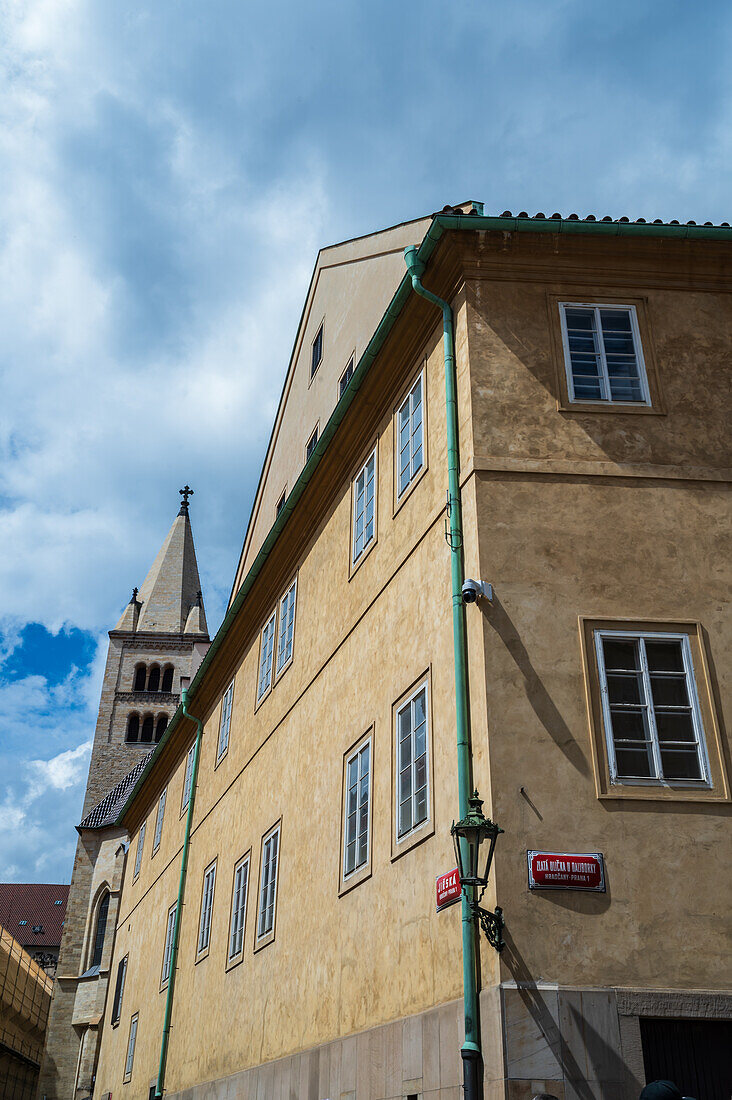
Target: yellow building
25 997
590 368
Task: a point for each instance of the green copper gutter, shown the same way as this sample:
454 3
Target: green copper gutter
440 223
160 1086
471 1052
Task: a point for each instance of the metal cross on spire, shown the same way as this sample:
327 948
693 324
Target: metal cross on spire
185 492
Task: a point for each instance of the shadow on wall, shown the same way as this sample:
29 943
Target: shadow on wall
541 701
608 1071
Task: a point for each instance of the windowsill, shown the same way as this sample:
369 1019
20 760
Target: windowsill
154 852
356 565
410 488
263 698
223 756
231 964
614 407
362 874
164 986
657 792
203 955
411 840
281 672
264 941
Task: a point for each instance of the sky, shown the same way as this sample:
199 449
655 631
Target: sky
168 171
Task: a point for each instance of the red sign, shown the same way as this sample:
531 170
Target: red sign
448 889
566 871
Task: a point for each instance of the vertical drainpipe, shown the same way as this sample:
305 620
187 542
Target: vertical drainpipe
160 1086
471 1052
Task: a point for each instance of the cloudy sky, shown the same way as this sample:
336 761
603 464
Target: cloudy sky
168 171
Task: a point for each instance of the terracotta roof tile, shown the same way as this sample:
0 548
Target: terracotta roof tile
26 906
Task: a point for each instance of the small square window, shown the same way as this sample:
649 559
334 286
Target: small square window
317 352
602 354
346 377
650 708
311 445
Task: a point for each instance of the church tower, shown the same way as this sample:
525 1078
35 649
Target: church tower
161 636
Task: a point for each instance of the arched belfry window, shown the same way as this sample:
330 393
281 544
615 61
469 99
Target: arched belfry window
160 727
100 930
167 684
133 728
147 728
153 684
140 677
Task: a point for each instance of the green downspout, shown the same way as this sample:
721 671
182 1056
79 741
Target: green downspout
159 1088
470 1052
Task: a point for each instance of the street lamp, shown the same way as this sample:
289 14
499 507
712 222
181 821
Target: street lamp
474 829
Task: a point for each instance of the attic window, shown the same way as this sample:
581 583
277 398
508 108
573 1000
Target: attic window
317 351
38 929
22 923
58 901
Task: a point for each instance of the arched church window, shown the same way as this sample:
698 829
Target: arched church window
147 728
140 676
167 684
161 726
101 928
153 683
133 727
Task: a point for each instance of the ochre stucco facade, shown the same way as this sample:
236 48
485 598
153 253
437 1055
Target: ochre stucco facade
576 516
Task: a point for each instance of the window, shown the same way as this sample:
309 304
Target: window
412 763
133 727
602 353
159 821
287 626
364 516
131 1047
239 907
160 727
268 883
140 677
138 853
650 708
167 684
346 377
281 503
204 924
410 452
188 779
225 721
153 683
311 444
357 810
148 726
101 928
119 990
317 352
266 651
168 949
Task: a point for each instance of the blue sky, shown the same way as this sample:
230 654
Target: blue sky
168 172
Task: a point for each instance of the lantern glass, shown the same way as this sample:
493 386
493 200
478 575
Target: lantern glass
474 829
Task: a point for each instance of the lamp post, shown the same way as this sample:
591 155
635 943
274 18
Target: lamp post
474 866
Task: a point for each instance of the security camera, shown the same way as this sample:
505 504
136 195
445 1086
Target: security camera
473 589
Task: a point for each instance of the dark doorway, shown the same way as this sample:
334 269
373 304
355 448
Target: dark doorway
694 1054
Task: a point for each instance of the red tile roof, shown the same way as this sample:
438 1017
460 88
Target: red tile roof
34 903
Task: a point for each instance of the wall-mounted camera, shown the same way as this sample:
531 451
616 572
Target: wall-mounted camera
474 590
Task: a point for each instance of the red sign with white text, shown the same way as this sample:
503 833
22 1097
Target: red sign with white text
566 871
448 889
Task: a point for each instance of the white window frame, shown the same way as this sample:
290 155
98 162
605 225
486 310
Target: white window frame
159 818
658 780
423 686
131 1042
356 553
188 779
267 893
605 397
264 643
407 400
138 853
239 907
286 628
225 722
205 919
367 743
168 945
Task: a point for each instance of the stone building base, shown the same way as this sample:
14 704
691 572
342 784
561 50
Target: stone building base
573 1043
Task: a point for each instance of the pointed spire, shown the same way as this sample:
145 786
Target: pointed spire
170 596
